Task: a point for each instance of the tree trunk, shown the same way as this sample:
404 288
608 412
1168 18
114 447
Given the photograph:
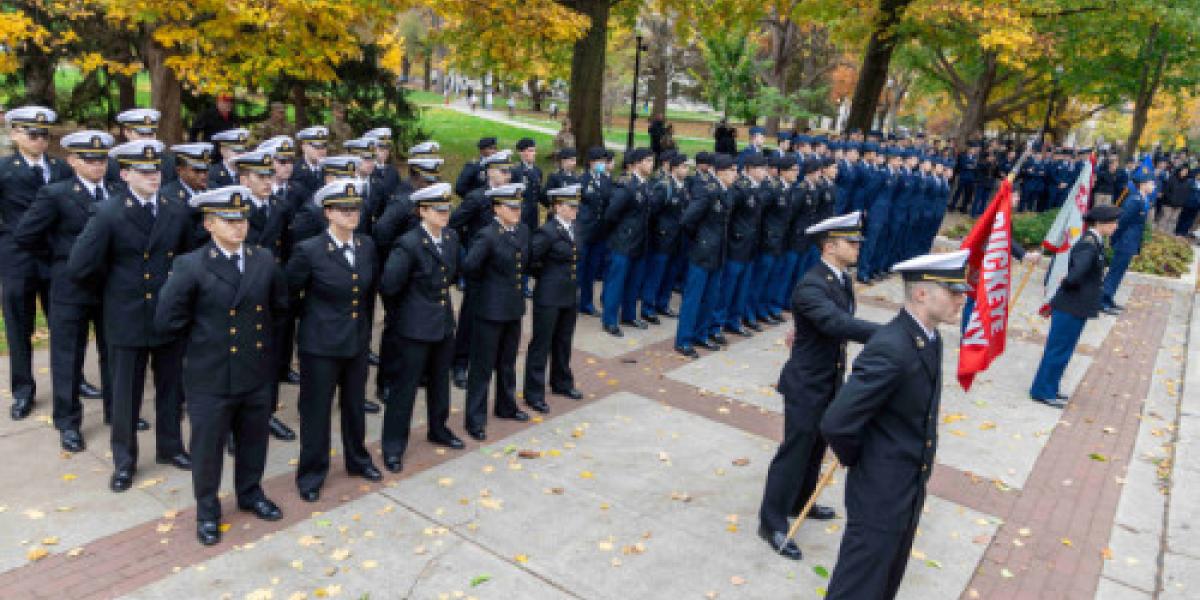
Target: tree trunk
975 103
126 91
537 93
427 84
300 104
38 68
1151 77
872 76
658 65
586 102
406 68
165 91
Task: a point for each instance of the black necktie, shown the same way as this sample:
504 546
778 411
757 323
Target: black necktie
97 195
149 207
40 172
236 261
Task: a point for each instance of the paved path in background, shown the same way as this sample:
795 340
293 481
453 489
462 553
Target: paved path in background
650 486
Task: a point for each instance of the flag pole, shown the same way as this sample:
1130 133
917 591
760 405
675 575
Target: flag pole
821 485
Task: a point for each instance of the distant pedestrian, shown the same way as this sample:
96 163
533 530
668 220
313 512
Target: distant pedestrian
512 106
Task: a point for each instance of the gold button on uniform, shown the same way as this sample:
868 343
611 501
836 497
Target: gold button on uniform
233 331
353 315
924 468
233 349
258 327
233 312
928 443
354 276
146 276
258 345
149 295
258 308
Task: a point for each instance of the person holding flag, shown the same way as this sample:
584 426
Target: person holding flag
1127 241
1077 299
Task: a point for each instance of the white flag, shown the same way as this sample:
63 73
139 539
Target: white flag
1065 231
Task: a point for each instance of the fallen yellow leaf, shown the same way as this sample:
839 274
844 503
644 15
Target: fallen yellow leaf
36 553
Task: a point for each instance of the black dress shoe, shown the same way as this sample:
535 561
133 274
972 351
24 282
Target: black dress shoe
651 319
180 461
539 405
519 415
591 312
372 359
280 430
371 407
738 331
822 513
264 509
1111 310
687 351
208 532
640 324
395 464
613 330
143 425
121 480
310 495
670 314
447 439
71 440
572 393
477 434
1062 397
21 407
1052 402
780 544
460 378
291 377
368 472
89 391
708 345
720 338
754 325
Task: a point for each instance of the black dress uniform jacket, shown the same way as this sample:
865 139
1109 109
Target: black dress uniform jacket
270 227
596 191
1080 292
744 220
627 217
228 317
418 277
219 175
131 255
883 426
706 219
473 214
776 217
308 177
496 262
554 255
531 176
472 177
667 204
19 185
398 219
555 180
58 215
335 298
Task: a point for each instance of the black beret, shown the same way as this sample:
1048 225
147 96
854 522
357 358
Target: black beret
525 143
487 142
637 155
756 160
812 166
597 153
704 158
722 161
565 153
785 162
676 159
1104 213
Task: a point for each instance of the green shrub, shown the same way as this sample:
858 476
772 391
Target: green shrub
1029 229
1163 254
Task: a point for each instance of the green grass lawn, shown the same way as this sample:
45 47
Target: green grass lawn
458 134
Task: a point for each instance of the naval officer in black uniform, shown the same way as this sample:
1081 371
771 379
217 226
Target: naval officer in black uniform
883 427
416 278
24 276
334 276
823 308
553 253
496 261
225 300
127 250
54 220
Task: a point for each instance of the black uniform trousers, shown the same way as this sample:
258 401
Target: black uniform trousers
20 295
323 376
68 349
859 572
416 359
389 369
466 320
285 344
793 473
128 381
213 419
493 348
553 330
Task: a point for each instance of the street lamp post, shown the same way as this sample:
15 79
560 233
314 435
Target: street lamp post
637 71
1053 98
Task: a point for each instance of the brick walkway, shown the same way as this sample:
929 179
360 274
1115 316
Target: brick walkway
1050 544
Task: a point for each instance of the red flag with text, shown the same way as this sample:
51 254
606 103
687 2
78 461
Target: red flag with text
990 266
